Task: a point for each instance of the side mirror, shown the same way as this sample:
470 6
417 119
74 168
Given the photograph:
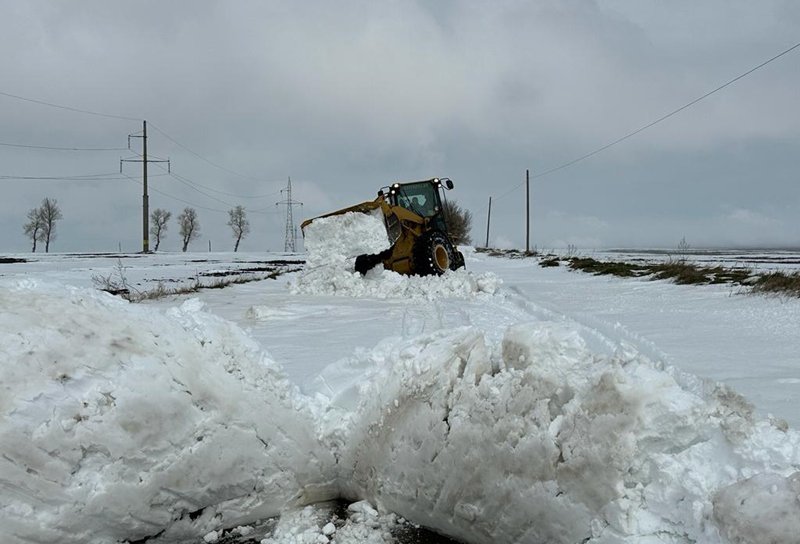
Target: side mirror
448 183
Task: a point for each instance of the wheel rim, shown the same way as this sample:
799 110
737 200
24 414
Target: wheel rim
441 257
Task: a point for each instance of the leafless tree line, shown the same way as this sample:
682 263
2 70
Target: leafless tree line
41 225
189 225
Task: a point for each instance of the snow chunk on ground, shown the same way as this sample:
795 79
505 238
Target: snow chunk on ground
382 283
121 422
363 525
560 446
332 240
764 508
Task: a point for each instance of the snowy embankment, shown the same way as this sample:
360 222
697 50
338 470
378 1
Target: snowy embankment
126 422
121 422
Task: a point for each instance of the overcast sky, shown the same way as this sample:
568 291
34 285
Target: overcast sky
348 96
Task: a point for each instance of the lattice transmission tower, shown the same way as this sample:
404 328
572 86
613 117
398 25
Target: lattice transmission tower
291 235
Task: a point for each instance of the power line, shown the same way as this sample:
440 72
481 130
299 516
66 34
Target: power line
162 193
209 161
175 197
69 108
80 177
225 192
64 148
192 185
653 123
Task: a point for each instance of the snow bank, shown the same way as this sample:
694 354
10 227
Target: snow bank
120 422
560 445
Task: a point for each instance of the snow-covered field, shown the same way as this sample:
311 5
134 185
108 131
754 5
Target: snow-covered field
504 403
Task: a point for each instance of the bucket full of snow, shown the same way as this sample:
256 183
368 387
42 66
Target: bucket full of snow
334 239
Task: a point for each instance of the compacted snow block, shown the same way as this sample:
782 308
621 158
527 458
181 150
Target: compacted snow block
562 445
118 422
764 509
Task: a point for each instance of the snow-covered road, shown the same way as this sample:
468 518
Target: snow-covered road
751 343
509 403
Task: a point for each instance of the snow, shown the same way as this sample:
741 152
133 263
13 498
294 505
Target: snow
764 508
331 240
118 421
382 283
505 403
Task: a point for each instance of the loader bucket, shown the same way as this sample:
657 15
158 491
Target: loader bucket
364 207
350 232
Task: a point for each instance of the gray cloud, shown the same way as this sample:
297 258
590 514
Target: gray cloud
348 96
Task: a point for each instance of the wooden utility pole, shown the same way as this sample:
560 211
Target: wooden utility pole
145 195
488 221
527 211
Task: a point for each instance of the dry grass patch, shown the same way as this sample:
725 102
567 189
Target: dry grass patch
778 283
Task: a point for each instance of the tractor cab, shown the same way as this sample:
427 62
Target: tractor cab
423 198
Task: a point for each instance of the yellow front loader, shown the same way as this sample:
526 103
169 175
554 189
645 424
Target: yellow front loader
416 227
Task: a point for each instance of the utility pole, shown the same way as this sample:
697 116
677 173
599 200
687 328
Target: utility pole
488 221
145 195
527 211
289 243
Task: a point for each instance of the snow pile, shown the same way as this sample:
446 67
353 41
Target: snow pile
558 445
330 241
120 422
333 243
382 283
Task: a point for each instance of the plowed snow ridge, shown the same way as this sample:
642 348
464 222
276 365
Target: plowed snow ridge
125 422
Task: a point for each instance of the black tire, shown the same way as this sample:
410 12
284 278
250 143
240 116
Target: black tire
433 254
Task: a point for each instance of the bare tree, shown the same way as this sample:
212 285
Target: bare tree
190 226
158 228
459 222
33 228
239 225
49 213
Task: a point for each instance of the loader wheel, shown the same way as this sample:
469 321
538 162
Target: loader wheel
433 254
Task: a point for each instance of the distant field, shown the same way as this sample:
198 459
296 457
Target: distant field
756 259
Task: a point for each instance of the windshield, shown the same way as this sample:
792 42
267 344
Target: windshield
419 198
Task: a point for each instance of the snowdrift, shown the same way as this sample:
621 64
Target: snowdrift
119 422
560 445
122 422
